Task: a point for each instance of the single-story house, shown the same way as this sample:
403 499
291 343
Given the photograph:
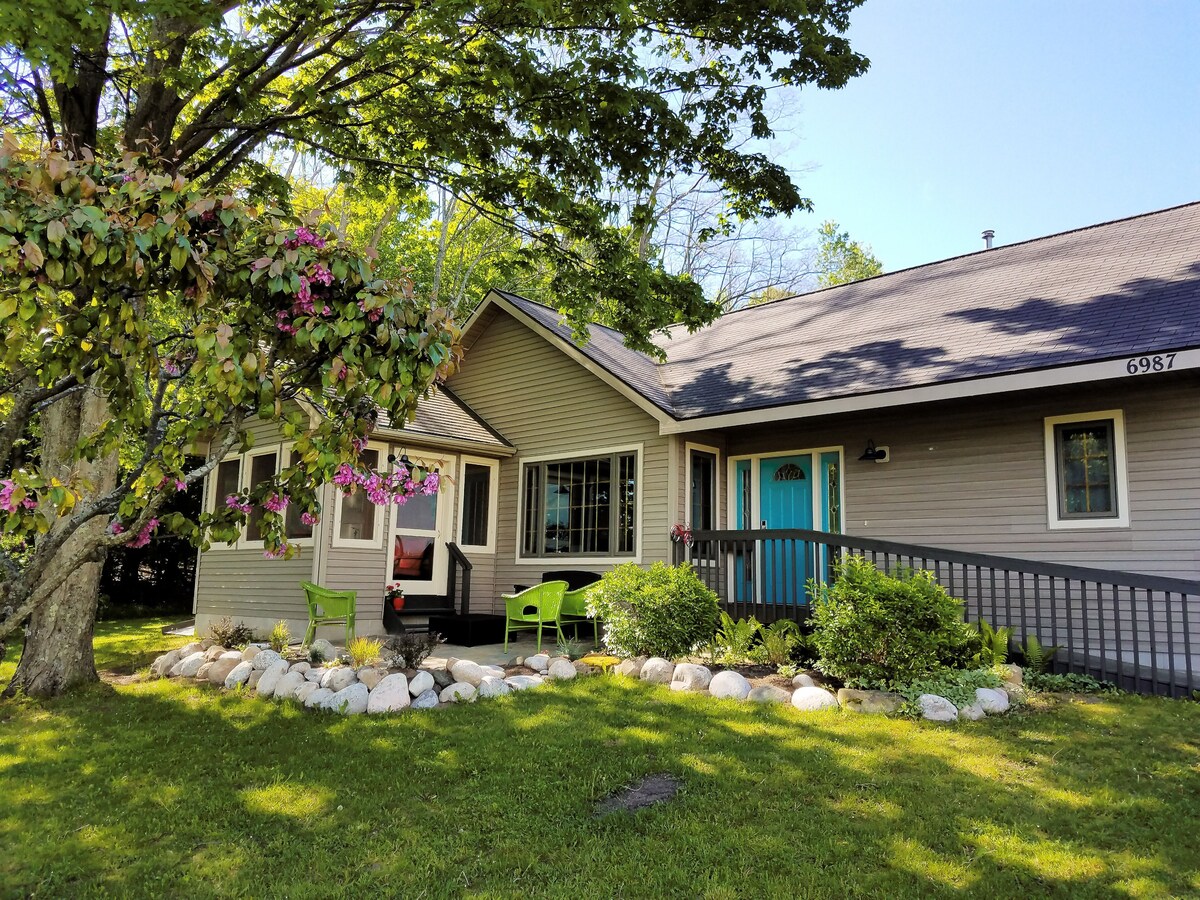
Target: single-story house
1039 400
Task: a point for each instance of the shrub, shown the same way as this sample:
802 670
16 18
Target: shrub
363 650
779 641
225 633
871 627
280 636
956 685
660 611
409 650
1069 682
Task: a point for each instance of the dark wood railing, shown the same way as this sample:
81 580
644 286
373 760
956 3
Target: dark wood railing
1140 631
458 560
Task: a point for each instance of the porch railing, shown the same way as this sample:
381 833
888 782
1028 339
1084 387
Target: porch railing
1140 631
459 563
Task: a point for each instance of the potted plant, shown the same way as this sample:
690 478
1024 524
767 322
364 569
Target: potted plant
395 596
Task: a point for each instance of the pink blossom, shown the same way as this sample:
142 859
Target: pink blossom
282 323
180 484
308 518
7 486
305 236
170 366
116 528
430 484
345 476
276 503
358 444
233 501
321 274
143 536
278 553
29 503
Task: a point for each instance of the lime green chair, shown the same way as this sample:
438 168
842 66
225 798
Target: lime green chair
574 612
326 607
533 608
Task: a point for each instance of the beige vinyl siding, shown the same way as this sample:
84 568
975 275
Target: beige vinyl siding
682 499
545 403
971 475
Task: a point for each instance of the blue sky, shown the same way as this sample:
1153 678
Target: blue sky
1024 117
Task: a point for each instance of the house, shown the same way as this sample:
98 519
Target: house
1039 400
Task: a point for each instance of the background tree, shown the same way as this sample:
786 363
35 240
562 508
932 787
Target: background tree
530 114
841 260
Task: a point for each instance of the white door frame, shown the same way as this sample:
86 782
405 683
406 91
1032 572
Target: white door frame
441 533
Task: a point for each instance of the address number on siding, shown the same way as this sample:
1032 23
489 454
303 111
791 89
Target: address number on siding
1141 365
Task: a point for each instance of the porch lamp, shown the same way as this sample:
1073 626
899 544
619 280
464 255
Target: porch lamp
873 455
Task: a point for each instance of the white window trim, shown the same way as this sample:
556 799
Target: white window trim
440 533
639 452
1120 471
244 542
381 513
288 450
493 466
211 499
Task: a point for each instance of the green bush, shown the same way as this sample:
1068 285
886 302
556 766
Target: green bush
870 627
225 633
1068 682
956 685
660 611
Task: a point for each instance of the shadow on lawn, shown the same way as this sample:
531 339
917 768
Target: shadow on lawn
163 785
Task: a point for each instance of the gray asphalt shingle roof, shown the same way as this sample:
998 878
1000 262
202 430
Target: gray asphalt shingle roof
1108 291
443 415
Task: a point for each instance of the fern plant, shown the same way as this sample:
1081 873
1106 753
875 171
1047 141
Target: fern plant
995 642
779 639
280 636
733 640
1037 657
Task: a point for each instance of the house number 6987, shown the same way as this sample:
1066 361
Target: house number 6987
1140 365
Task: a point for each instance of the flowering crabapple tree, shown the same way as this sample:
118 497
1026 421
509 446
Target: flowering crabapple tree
160 320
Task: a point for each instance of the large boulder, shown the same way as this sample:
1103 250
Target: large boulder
339 678
425 700
972 713
269 680
460 691
657 670
371 676
316 699
811 699
523 682
769 693
539 662
188 649
493 671
305 690
631 668
876 702
231 654
214 652
324 649
161 666
465 670
1012 674
937 709
238 675
349 701
420 683
264 659
315 675
288 685
441 676
302 667
202 674
390 695
491 686
250 652
691 677
729 686
252 681
561 670
220 669
803 680
993 700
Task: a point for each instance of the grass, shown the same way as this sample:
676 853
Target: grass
155 788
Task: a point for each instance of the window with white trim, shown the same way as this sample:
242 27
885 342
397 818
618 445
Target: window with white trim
294 528
359 522
1085 470
478 494
261 466
580 507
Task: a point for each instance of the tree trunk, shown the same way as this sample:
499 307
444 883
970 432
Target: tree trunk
58 643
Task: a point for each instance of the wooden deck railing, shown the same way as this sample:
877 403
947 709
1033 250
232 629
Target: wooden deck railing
1139 631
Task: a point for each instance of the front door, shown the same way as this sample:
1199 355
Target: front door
420 529
785 486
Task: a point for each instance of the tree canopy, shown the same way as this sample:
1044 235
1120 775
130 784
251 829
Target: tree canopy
841 260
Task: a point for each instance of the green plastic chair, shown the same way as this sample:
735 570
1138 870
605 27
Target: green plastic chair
532 608
574 612
326 607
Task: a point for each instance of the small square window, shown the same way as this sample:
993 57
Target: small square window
1086 471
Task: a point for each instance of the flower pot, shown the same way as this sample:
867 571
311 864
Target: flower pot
398 603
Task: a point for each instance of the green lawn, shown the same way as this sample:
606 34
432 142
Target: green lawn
157 788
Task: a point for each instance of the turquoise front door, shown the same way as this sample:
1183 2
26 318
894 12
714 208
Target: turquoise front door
785 486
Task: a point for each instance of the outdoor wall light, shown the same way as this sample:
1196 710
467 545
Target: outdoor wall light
875 454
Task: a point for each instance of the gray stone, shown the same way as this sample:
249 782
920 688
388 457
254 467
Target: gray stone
425 700
441 677
493 671
305 691
1012 674
523 682
993 700
811 699
692 677
238 675
465 670
729 686
316 699
972 713
161 666
206 643
460 691
538 661
202 674
220 669
188 649
631 668
231 654
491 686
264 659
420 683
582 668
561 670
769 693
288 685
657 670
350 701
214 652
302 667
390 695
937 709
249 653
325 649
270 678
315 675
876 702
253 680
371 676
338 678
803 680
